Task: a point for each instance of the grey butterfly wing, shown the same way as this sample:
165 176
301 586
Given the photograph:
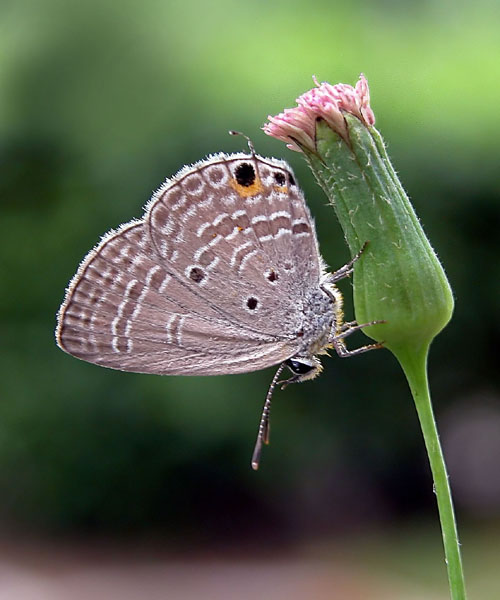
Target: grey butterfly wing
239 228
117 313
150 299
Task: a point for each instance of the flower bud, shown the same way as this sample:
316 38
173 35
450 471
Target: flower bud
399 278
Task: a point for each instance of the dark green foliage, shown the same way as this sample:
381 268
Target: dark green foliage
99 104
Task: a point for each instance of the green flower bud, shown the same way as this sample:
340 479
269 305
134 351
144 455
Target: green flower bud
399 278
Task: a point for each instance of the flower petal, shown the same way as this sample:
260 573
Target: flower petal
297 126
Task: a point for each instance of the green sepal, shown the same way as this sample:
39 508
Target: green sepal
399 278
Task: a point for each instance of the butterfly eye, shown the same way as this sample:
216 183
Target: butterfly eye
298 367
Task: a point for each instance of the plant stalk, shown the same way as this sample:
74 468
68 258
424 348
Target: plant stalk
414 364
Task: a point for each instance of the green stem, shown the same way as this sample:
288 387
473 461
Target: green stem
398 280
414 364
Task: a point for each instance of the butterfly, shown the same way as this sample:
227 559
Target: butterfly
221 275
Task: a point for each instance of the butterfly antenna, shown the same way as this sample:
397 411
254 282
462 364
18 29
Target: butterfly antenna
249 141
263 434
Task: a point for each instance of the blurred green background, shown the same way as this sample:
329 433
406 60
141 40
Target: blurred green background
101 101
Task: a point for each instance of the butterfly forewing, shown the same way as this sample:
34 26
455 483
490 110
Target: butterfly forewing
237 227
208 282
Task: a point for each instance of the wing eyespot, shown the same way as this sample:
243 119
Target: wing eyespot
271 275
280 178
197 275
252 303
245 174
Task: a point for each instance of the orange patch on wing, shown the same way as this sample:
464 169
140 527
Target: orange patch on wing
282 189
246 191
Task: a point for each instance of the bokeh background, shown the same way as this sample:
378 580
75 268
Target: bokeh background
124 485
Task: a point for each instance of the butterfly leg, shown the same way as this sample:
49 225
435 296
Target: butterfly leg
348 268
329 279
347 329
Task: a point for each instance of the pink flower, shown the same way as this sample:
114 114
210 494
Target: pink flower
297 126
293 124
